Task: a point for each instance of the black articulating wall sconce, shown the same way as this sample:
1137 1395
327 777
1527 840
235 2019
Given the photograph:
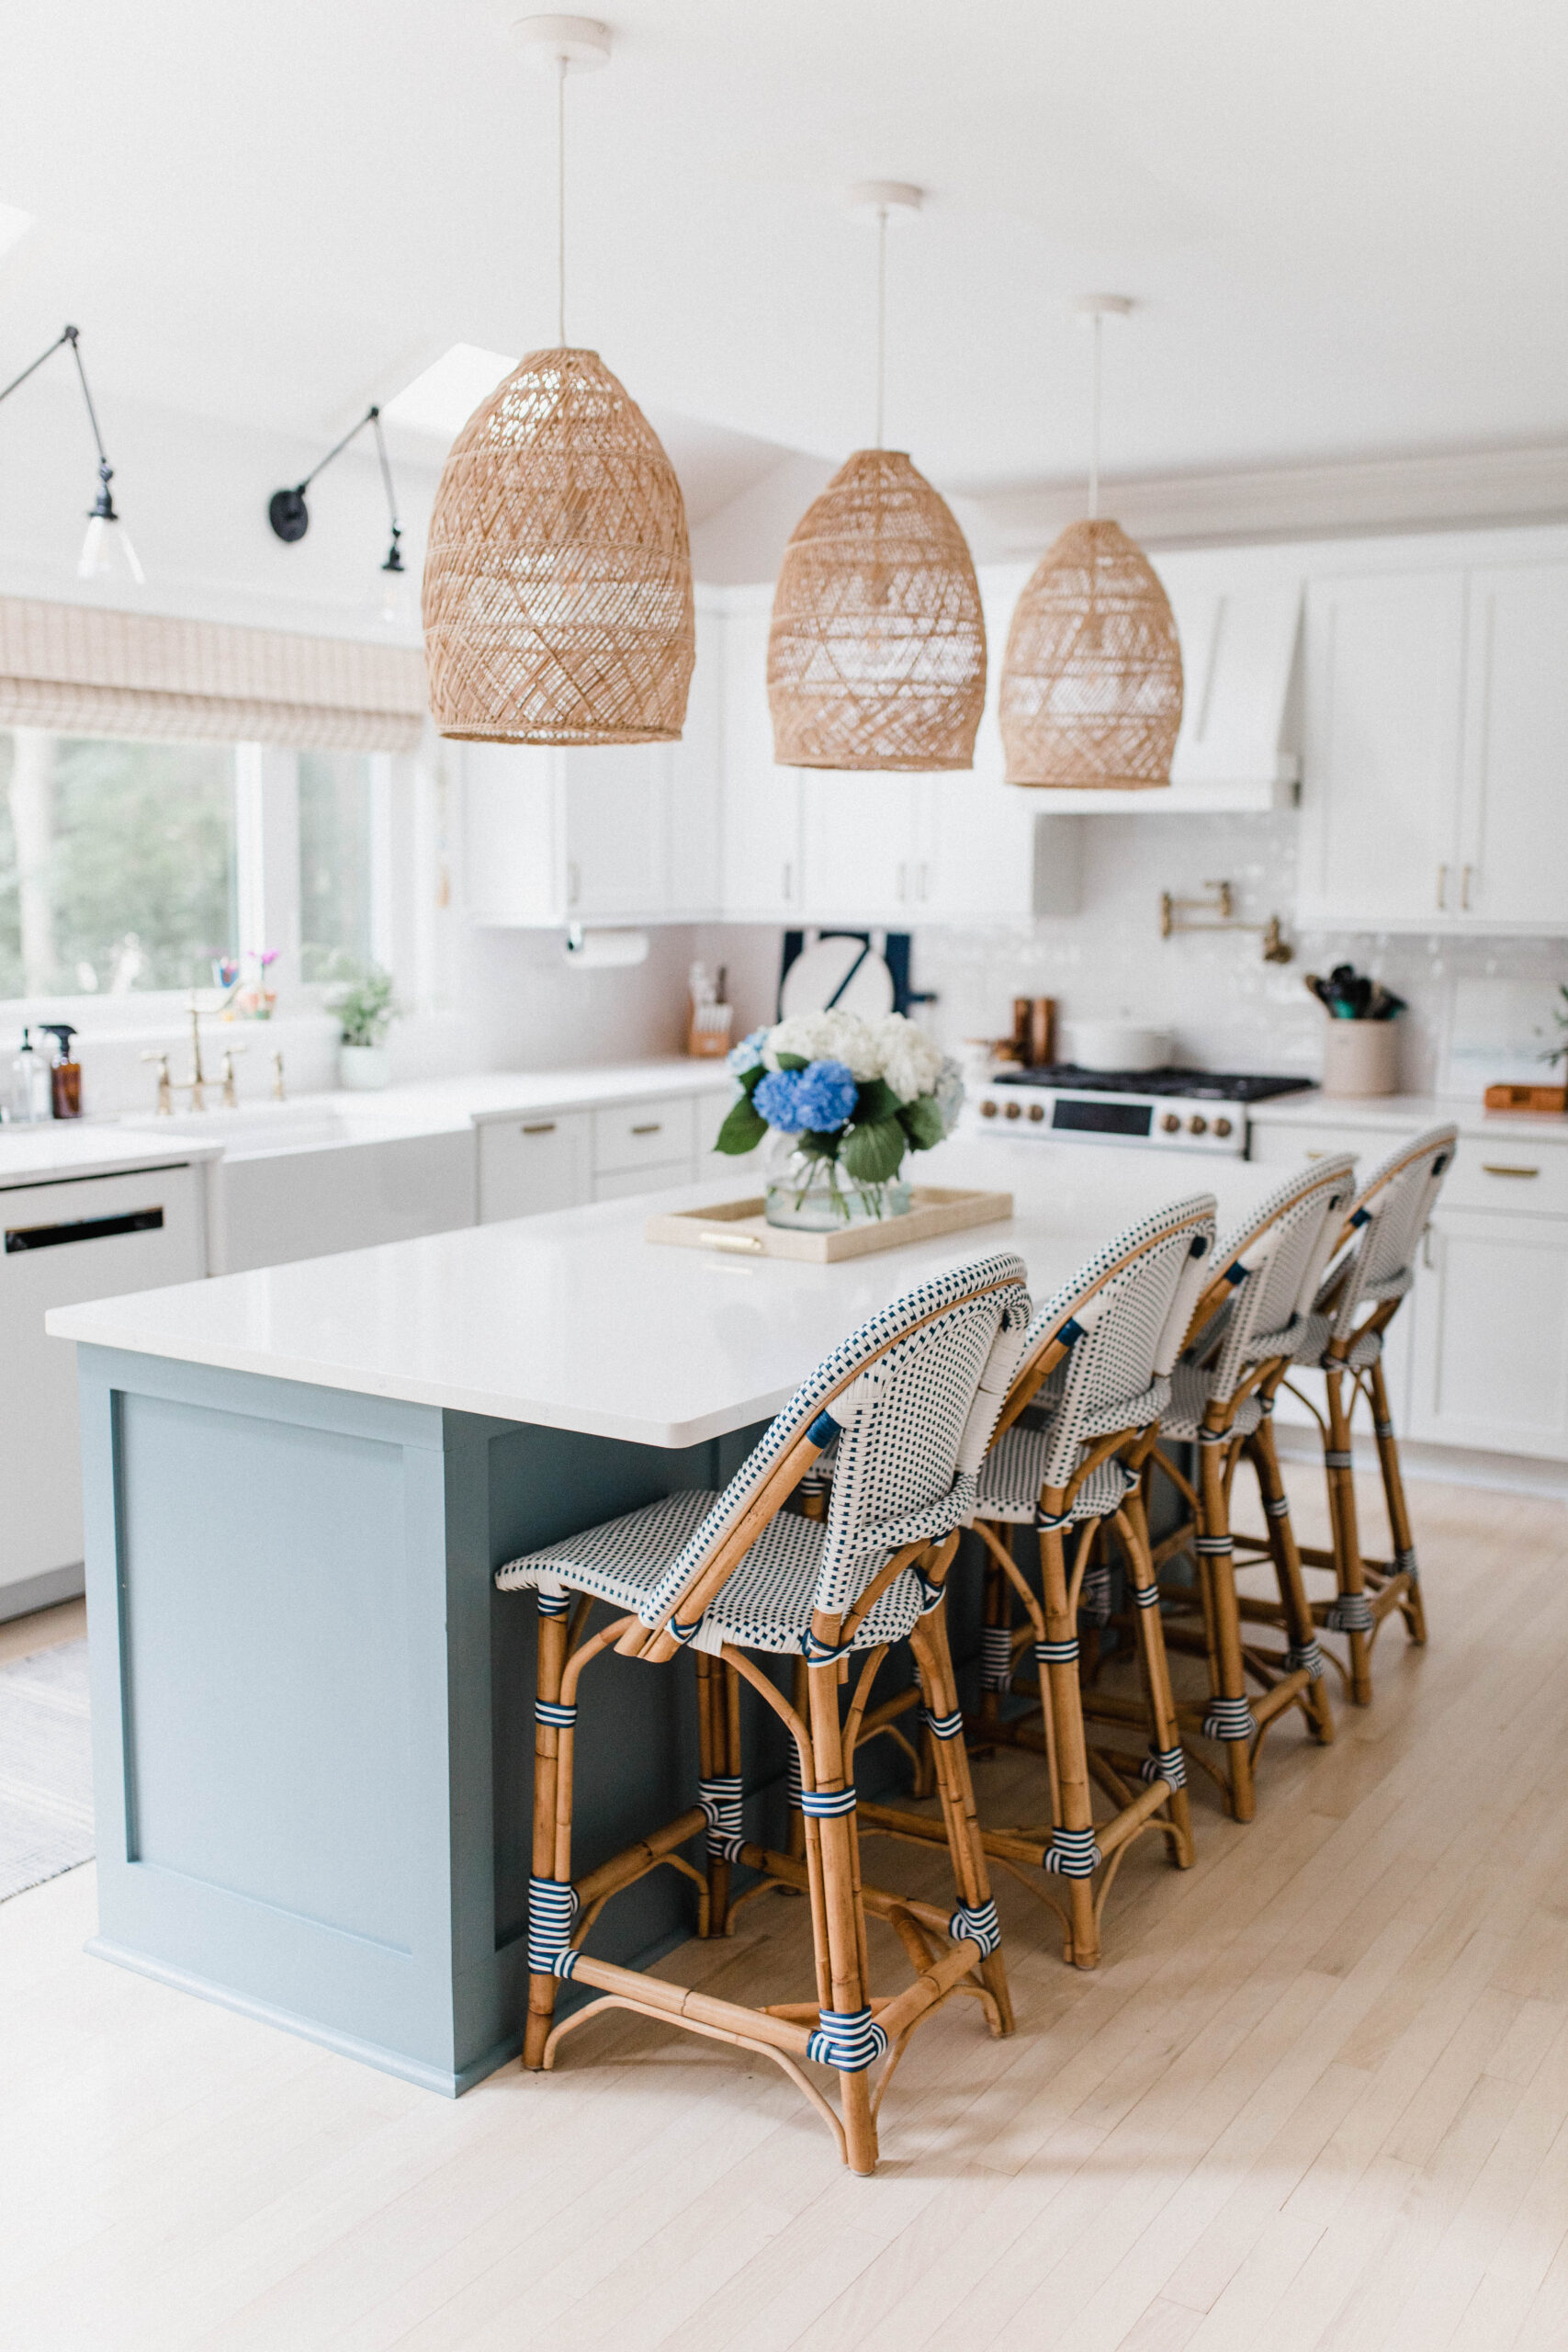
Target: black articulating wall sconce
107 551
290 517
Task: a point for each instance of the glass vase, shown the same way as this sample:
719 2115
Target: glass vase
816 1195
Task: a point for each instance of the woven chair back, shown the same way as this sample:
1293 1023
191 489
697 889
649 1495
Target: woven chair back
1388 1217
1124 1315
903 1403
1274 1264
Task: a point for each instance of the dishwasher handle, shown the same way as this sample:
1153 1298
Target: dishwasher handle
86 1228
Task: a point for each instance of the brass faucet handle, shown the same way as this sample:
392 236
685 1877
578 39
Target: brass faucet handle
231 1098
166 1091
277 1094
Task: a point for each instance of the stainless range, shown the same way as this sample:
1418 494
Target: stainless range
1172 1110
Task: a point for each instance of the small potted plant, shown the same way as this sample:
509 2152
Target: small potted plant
365 1011
844 1101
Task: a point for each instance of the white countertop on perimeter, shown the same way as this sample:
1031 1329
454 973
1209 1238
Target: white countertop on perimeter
56 1151
575 1321
1405 1115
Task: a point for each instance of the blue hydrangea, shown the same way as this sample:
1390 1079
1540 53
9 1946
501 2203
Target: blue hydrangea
825 1095
778 1099
747 1054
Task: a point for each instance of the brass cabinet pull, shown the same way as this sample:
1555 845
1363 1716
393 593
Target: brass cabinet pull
655 1128
1442 890
545 1127
1500 1168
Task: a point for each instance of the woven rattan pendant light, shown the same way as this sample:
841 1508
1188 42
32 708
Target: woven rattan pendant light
558 584
876 655
1091 690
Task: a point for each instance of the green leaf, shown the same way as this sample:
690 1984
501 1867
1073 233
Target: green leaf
751 1079
743 1129
875 1100
872 1154
791 1061
817 1143
921 1122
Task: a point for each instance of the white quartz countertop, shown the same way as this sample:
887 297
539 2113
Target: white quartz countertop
576 1321
57 1150
1405 1115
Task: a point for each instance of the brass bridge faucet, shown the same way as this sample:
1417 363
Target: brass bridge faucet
196 1085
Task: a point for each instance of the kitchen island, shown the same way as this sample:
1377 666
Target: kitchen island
312 1719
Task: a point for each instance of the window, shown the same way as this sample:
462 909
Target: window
118 865
335 862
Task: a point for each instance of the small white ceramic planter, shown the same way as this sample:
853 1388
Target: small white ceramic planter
1360 1057
363 1070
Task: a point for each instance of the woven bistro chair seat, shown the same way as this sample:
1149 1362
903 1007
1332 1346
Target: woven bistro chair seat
1012 1474
907 1409
1317 1331
768 1601
1250 1321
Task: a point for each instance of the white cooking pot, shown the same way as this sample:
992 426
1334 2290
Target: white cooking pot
1115 1044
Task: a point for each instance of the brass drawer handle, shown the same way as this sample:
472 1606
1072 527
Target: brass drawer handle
545 1127
1499 1168
1316 1154
655 1128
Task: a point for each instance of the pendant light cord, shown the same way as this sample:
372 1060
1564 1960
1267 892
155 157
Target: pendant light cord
562 63
881 320
1094 429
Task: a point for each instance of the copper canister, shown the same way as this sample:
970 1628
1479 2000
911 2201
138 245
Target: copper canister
1034 1030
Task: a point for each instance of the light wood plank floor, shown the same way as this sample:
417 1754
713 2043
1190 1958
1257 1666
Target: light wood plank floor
1316 2097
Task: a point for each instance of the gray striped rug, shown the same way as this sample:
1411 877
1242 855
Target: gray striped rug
46 1777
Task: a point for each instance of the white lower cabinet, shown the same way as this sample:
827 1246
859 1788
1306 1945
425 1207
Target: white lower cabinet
627 1182
1490 1316
535 1162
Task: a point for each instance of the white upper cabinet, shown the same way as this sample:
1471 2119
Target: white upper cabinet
617 808
1514 844
859 839
695 834
513 841
1380 784
761 801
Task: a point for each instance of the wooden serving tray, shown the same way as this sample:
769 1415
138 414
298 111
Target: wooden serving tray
740 1226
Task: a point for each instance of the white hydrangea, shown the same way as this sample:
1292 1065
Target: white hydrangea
910 1063
832 1036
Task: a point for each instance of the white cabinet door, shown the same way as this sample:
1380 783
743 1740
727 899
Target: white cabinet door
859 841
1514 865
536 1162
617 830
762 800
988 849
696 834
514 850
1490 1357
1382 771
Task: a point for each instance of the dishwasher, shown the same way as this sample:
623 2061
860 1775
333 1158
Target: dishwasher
61 1242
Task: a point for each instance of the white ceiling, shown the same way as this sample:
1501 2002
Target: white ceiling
1345 226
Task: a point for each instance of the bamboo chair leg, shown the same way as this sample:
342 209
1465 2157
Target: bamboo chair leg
1350 1613
935 1662
843 1923
552 1796
801 1701
1133 1527
713 1765
1412 1607
1229 1718
1300 1630
1065 1716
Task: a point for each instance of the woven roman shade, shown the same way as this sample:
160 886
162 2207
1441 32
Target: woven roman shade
1091 685
81 670
557 578
876 655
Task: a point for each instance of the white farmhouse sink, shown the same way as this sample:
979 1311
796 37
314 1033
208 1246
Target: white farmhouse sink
257 1127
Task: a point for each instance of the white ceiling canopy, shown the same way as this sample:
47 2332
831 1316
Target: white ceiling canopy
1345 227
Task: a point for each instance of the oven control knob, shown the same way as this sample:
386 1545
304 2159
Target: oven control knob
1222 1126
988 1109
1197 1124
1013 1111
1037 1110
1171 1123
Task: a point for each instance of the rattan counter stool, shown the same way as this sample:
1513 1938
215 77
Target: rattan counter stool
1093 1377
1360 1295
909 1402
1252 1317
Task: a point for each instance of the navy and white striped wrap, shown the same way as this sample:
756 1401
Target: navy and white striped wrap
1094 1599
1164 1764
1334 1460
1207 1436
1229 1719
996 1657
1405 1565
553 1906
1278 1506
1056 1653
850 2040
1383 1429
977 1923
1146 1595
827 1805
1214 1547
794 1780
1073 1854
720 1802
1351 1613
1304 1658
817 1651
1051 1523
554 1604
945 1727
551 1711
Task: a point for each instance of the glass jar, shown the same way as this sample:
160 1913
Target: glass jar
817 1196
